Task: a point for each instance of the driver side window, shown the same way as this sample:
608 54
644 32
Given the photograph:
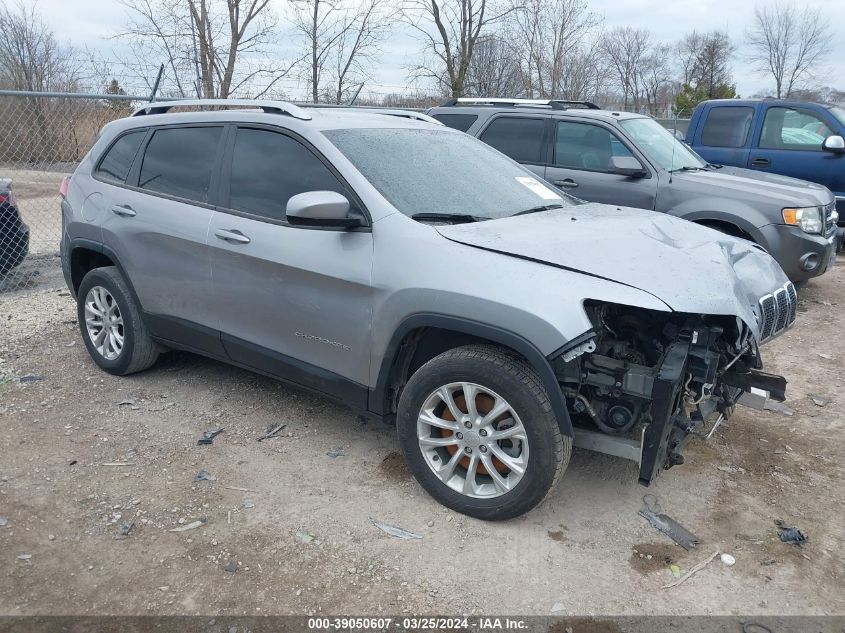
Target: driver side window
788 128
587 147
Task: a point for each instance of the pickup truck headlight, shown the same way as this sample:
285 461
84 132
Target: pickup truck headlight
808 219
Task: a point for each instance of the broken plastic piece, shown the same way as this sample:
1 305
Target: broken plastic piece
204 475
190 526
209 435
305 536
272 432
335 452
666 524
394 530
791 534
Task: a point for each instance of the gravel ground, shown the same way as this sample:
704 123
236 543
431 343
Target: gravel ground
285 524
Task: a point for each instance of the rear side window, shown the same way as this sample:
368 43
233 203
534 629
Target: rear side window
521 139
268 168
179 161
727 126
118 160
460 122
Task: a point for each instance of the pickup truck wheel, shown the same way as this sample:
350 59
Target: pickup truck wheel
478 432
114 333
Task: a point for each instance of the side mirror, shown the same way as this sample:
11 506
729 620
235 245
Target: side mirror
320 209
835 144
626 166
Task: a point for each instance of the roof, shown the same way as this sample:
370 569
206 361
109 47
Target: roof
272 113
529 106
789 102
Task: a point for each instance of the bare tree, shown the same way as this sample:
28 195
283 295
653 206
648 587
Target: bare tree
450 30
625 49
30 56
224 43
705 62
551 35
494 70
343 38
789 43
655 78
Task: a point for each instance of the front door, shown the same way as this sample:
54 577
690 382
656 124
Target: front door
291 301
581 166
790 143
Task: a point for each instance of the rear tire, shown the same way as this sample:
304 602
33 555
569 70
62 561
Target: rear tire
443 445
111 325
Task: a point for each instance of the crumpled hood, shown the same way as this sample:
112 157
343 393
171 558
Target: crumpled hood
739 183
689 267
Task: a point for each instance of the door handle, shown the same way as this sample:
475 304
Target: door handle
760 162
567 184
233 236
124 211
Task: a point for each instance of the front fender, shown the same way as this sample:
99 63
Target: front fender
481 330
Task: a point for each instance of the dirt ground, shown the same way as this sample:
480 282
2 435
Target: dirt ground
286 521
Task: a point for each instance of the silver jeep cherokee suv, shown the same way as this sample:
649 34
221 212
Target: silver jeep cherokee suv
419 276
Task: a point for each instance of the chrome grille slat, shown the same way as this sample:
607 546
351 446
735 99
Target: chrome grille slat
829 223
777 311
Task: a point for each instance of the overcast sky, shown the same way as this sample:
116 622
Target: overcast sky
91 23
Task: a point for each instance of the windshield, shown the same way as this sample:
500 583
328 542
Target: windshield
661 146
442 172
839 113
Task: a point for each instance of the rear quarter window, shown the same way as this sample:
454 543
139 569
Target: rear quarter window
118 159
727 126
460 122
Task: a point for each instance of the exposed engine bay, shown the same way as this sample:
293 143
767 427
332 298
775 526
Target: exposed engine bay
653 380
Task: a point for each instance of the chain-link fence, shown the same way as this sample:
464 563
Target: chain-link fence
43 136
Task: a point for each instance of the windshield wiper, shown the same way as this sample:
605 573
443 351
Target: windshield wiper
454 218
547 207
685 168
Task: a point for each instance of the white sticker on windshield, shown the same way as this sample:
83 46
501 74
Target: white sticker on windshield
538 187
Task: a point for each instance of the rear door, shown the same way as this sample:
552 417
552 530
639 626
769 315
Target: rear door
292 301
520 137
723 137
581 162
788 141
157 224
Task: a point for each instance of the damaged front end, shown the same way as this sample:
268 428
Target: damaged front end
642 383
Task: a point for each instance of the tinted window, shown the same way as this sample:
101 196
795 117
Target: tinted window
786 128
583 146
521 139
117 162
268 168
727 126
460 122
179 162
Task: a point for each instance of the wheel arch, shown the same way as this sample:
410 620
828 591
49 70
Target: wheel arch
421 337
725 226
86 255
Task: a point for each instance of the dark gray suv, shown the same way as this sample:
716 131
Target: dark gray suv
631 160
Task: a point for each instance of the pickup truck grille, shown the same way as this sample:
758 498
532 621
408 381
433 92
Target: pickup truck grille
829 221
777 311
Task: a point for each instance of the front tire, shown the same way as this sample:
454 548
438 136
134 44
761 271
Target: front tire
478 432
111 325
